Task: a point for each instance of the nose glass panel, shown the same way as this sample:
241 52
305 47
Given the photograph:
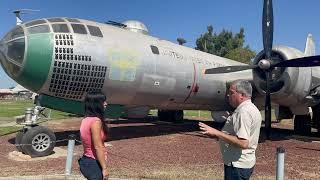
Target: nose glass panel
12 49
11 69
16 50
15 33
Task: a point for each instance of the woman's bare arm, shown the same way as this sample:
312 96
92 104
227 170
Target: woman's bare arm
96 129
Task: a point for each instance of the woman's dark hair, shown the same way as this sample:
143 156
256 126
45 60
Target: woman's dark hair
93 105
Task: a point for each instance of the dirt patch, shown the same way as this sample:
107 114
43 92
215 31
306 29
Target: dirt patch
19 156
159 150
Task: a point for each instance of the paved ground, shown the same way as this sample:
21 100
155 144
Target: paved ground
149 149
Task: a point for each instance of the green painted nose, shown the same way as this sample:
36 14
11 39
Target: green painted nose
27 58
37 63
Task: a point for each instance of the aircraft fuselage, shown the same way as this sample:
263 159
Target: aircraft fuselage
65 58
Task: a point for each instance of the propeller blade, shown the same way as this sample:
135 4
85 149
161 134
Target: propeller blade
267 111
267 27
228 69
308 61
267 35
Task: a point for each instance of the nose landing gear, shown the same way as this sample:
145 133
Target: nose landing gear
35 140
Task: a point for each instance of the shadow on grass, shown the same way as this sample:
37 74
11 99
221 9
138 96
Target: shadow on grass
9 130
134 128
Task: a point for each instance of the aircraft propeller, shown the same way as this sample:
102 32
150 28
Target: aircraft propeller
266 64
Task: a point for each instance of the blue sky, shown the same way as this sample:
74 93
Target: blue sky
169 19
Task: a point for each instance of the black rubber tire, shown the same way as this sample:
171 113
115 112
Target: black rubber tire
170 115
316 118
162 115
18 140
38 141
302 124
177 116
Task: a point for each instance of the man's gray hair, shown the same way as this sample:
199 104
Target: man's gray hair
242 86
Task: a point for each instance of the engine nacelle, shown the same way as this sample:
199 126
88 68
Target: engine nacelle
289 87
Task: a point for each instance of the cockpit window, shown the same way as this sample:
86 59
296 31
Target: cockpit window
63 28
56 20
16 50
154 49
95 31
73 20
36 22
79 28
11 68
15 33
12 50
39 29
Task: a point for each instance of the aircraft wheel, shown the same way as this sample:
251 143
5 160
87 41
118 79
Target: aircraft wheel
38 141
18 140
316 118
162 115
177 116
302 124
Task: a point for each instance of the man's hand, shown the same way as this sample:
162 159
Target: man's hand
207 130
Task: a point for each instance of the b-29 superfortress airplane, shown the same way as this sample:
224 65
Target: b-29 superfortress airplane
64 58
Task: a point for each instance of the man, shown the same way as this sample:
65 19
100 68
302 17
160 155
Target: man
240 134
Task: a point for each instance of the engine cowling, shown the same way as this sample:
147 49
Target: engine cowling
289 86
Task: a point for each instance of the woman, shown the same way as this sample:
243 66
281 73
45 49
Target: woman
93 132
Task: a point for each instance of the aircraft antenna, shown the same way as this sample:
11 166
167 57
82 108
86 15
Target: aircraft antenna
22 11
114 23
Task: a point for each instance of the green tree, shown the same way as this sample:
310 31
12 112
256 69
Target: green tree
181 41
243 55
205 42
225 44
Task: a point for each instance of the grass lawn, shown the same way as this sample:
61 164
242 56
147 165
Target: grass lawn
11 108
189 113
9 130
197 113
206 114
